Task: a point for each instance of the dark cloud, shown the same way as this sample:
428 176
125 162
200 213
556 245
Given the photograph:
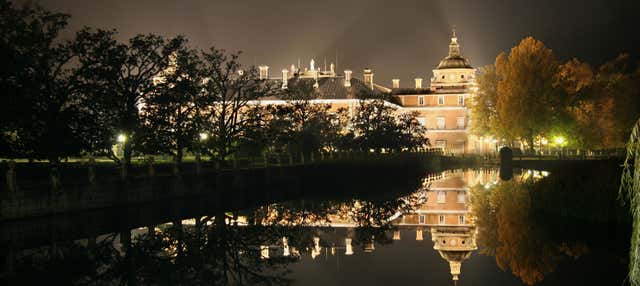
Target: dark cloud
403 39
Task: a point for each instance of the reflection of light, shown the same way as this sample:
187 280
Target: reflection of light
487 186
419 234
285 246
349 249
264 251
544 173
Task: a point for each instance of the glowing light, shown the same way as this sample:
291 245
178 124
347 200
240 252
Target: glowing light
544 141
559 140
121 138
204 136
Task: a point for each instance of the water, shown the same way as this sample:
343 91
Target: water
469 227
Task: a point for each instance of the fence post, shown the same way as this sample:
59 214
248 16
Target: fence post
92 169
150 170
11 177
176 169
198 163
265 158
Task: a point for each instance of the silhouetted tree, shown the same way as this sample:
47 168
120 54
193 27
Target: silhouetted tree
171 111
228 89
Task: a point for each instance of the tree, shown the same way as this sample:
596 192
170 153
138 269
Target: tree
528 100
171 112
229 90
40 119
483 105
122 77
376 126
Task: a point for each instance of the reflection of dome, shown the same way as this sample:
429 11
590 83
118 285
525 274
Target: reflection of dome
455 245
454 60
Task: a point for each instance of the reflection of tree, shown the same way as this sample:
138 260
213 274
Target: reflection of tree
215 250
509 229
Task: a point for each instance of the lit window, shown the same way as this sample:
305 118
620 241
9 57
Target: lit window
441 99
440 121
441 219
442 197
460 99
421 219
420 100
460 122
461 197
461 219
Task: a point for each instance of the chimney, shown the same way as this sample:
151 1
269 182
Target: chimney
285 78
368 78
347 78
264 72
395 83
418 82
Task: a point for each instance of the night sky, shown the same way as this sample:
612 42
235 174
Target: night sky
397 39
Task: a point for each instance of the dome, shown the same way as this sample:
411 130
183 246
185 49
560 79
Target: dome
456 62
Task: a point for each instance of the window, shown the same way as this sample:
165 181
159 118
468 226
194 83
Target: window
441 219
443 77
442 197
460 100
461 219
420 100
442 144
462 197
421 219
440 122
460 122
422 121
441 100
461 76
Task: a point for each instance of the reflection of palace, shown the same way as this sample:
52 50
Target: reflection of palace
443 210
440 104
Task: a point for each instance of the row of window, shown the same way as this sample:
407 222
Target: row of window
440 122
441 100
442 197
422 219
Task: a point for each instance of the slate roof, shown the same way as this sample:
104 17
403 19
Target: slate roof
333 87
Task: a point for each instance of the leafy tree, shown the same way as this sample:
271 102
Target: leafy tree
483 104
123 76
40 119
376 126
528 100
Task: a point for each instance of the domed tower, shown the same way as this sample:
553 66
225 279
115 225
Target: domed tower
455 245
454 71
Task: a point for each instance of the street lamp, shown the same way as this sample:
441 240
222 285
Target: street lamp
121 138
560 141
204 136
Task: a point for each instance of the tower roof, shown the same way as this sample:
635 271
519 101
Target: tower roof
454 60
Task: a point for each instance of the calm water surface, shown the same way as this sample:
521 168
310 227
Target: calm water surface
468 227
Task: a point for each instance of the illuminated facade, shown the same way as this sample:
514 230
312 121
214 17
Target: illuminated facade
441 106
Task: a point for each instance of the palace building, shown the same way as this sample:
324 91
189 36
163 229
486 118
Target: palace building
441 105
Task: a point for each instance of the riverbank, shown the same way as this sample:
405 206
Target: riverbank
235 188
